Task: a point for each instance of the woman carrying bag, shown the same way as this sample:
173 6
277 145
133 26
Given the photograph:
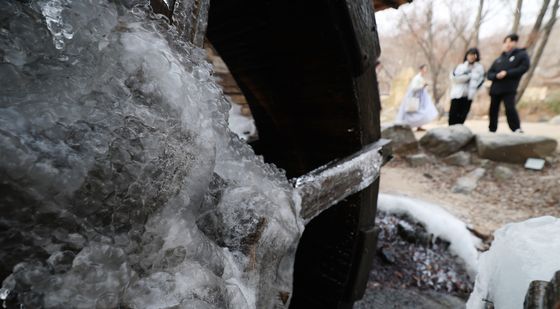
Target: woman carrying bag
417 107
466 80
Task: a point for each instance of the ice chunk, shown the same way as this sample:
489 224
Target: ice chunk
520 253
121 176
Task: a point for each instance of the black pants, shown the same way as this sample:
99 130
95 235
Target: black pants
511 112
459 110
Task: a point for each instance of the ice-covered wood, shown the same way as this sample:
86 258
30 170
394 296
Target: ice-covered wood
543 294
331 183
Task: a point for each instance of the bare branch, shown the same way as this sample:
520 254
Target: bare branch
421 43
538 52
535 32
478 23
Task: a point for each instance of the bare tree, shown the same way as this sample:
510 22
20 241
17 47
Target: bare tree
517 16
434 41
478 23
536 56
469 38
535 32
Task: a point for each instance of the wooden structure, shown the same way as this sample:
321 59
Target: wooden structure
543 294
307 71
316 58
228 83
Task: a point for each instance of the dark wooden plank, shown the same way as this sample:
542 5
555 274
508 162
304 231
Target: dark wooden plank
330 184
535 297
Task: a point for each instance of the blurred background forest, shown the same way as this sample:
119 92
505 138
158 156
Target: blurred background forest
438 33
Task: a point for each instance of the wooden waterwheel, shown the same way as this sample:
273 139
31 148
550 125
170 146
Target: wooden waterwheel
307 71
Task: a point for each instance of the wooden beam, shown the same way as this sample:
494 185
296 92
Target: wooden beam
333 182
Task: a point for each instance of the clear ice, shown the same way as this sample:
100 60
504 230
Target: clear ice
520 253
122 185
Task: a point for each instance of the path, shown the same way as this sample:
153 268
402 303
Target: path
493 204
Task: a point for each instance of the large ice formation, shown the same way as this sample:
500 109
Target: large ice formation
520 253
121 184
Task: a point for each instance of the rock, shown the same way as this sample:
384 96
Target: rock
514 148
502 173
461 158
414 234
484 163
402 137
388 255
555 120
418 159
446 140
468 183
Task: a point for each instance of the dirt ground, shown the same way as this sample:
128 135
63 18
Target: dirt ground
493 203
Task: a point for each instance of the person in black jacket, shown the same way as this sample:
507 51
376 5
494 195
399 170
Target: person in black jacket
505 73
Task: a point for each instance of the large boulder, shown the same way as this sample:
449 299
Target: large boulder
446 140
555 120
402 137
514 148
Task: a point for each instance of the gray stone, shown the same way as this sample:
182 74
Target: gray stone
502 173
388 255
414 234
446 140
461 158
485 163
402 137
555 120
468 183
514 148
418 159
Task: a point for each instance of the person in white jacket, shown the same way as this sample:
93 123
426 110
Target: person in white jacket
466 80
417 107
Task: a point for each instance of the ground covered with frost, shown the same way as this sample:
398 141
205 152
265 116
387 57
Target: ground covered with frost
425 257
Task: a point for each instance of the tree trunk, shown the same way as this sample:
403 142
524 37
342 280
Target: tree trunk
434 69
536 57
517 16
535 32
427 41
477 23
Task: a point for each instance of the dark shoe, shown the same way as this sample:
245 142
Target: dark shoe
420 129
